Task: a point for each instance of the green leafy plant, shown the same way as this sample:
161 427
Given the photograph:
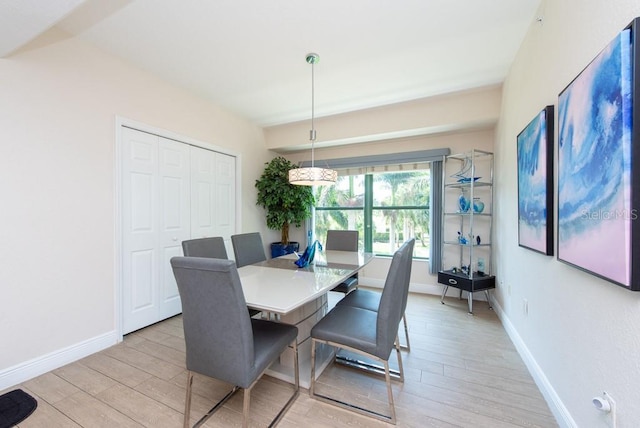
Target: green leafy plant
285 203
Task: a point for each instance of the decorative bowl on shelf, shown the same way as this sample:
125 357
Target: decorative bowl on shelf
478 205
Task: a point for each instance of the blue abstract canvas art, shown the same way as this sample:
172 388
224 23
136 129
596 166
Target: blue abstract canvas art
535 183
594 165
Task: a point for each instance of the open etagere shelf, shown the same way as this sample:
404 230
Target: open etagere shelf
467 221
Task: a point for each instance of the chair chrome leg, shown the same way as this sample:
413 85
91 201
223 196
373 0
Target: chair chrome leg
387 379
245 407
296 365
313 367
407 347
215 408
470 302
296 387
187 400
399 356
354 408
247 396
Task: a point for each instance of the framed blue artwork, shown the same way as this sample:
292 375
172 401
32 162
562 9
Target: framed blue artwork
535 183
598 165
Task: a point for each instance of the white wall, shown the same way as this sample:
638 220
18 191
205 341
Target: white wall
58 106
448 113
581 334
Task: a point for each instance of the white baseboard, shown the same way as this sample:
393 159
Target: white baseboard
557 407
40 365
414 288
370 282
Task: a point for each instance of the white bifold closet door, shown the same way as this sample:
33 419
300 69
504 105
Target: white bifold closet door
171 192
213 193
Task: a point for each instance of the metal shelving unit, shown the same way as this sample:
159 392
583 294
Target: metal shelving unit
467 222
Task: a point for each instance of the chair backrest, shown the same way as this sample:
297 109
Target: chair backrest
248 248
212 248
217 327
394 297
342 240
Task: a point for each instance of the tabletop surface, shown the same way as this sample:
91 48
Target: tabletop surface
278 285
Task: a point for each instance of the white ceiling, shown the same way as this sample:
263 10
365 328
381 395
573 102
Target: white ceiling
22 20
248 56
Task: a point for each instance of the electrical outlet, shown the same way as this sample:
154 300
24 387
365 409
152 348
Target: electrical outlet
525 307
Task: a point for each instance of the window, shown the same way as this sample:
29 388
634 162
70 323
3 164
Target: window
386 208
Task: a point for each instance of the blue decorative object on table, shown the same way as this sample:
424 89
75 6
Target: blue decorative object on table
308 255
462 239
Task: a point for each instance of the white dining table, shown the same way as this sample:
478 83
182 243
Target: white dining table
279 286
298 296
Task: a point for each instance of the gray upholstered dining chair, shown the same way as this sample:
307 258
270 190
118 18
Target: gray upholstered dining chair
212 248
369 333
343 240
222 341
248 248
367 299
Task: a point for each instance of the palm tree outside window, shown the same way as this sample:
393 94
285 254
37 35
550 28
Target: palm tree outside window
386 208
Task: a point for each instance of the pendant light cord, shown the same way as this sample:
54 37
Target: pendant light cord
305 176
312 134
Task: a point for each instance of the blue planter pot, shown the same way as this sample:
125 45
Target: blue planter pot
278 249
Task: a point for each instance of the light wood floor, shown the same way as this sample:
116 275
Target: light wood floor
462 371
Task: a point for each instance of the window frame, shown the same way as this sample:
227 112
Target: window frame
368 209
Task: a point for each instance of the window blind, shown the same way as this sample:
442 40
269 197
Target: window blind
406 161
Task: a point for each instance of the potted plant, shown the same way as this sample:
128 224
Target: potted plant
285 203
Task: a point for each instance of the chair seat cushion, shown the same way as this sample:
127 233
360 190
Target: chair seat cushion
347 286
349 326
360 298
270 339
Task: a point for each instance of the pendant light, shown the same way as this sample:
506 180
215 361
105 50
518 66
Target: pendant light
312 176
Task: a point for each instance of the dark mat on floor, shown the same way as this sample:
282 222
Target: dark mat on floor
15 407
